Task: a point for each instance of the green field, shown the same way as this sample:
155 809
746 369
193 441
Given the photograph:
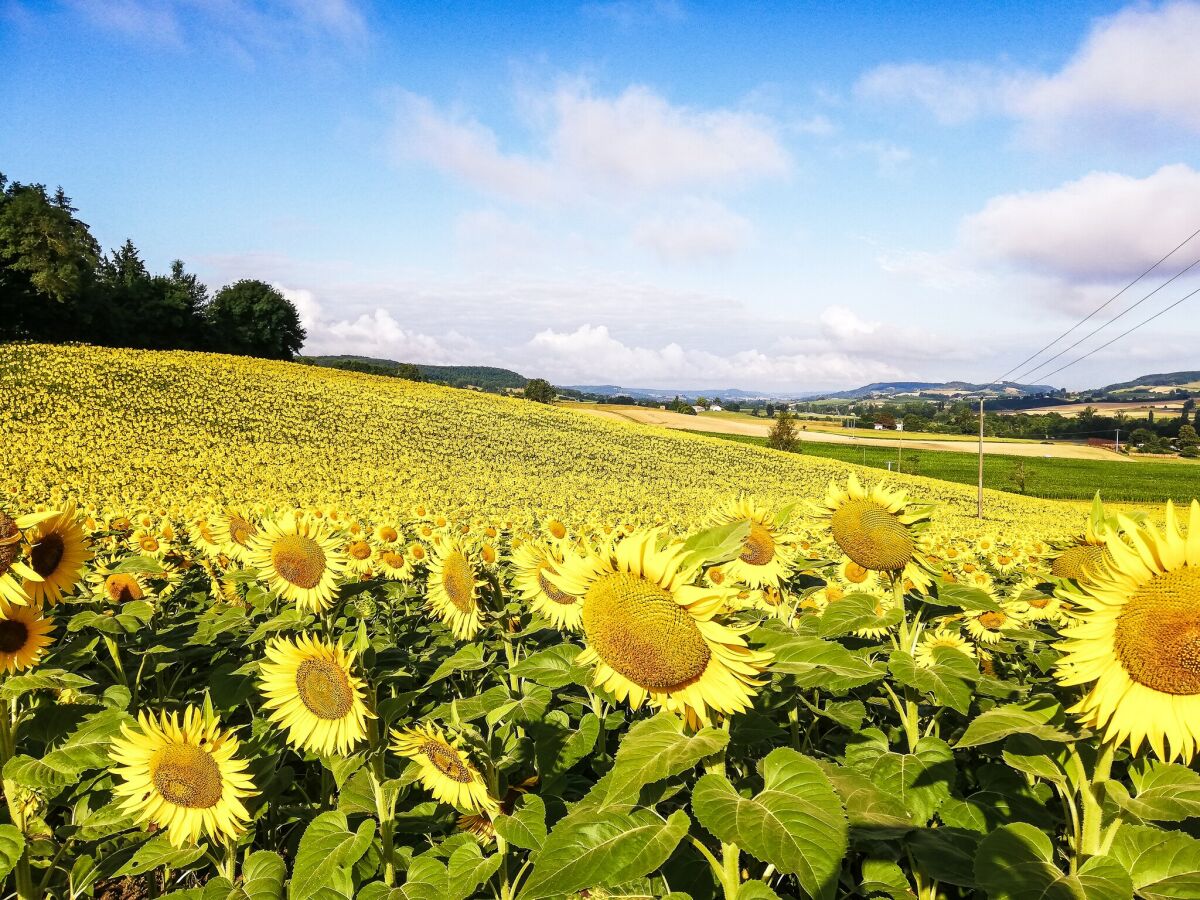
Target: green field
1056 479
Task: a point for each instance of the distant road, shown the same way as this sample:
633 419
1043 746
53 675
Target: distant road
683 422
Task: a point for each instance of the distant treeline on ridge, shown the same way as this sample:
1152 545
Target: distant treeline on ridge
57 285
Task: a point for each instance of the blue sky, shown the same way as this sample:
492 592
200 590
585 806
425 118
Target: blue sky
777 195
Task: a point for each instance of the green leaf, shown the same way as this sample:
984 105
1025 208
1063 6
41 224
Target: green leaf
15 686
526 827
139 565
1164 865
158 852
1165 793
948 681
796 823
33 773
468 869
12 845
877 814
718 544
554 667
328 851
1016 862
1037 717
291 619
425 880
884 878
654 749
756 890
855 611
945 854
920 780
1035 757
602 848
972 599
469 658
88 746
823 664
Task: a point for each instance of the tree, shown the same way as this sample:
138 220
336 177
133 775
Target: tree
1188 437
251 318
1141 436
783 433
1019 476
47 259
539 390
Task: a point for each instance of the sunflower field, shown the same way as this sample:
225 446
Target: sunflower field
271 633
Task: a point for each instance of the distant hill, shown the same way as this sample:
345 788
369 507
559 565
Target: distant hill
897 388
612 390
489 378
1166 379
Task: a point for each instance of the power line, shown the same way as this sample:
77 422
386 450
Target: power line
1145 321
1104 325
1106 303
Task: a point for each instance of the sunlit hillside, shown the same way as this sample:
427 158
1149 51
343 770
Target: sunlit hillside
135 429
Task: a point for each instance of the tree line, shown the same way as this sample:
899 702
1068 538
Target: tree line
57 285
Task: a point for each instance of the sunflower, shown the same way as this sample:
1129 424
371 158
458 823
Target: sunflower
652 635
300 559
186 778
1077 558
446 771
1036 605
879 530
767 555
532 563
149 543
453 589
360 556
394 564
232 531
58 555
855 578
311 691
988 626
12 547
941 637
1138 639
24 635
112 586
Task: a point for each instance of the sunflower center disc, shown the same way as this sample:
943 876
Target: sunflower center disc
1157 637
640 631
872 536
856 573
8 543
324 688
388 534
360 550
13 635
395 560
459 582
47 554
446 761
556 594
299 560
993 620
1075 562
122 588
240 530
186 776
759 548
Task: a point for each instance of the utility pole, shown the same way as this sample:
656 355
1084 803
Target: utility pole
1118 440
980 500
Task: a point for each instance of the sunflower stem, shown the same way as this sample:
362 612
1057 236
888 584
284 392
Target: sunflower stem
22 874
1092 797
115 652
385 807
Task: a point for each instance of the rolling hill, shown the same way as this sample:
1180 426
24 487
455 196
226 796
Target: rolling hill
239 431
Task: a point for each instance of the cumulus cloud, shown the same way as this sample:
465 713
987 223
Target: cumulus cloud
591 145
1104 225
701 229
1135 69
592 354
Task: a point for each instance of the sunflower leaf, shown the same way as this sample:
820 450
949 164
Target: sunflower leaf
1037 717
971 599
718 544
158 852
1016 862
1165 793
1164 865
328 851
554 667
601 848
468 869
796 823
654 749
948 680
15 686
526 827
12 845
823 664
855 611
920 780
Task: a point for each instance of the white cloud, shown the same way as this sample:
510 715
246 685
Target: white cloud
1104 225
591 354
592 145
941 271
702 229
1134 70
816 126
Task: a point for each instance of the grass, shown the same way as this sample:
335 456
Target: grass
865 434
1055 479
